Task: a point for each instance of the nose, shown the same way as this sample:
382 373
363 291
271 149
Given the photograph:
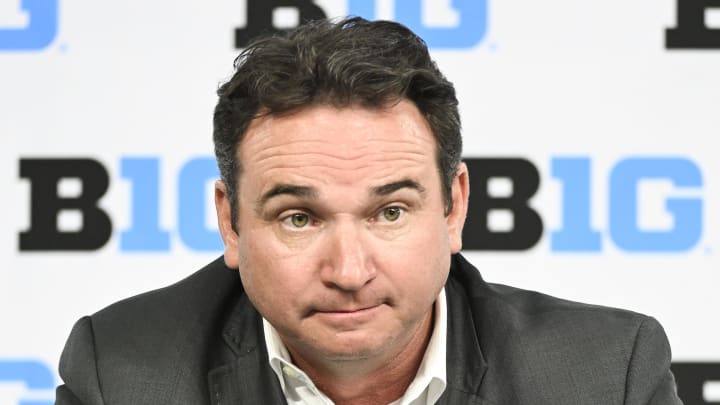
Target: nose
348 265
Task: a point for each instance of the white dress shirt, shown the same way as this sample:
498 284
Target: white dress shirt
429 383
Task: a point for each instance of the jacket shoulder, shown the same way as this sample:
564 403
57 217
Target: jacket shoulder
157 342
520 308
543 349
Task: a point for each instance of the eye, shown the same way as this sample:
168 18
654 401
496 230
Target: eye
297 220
391 214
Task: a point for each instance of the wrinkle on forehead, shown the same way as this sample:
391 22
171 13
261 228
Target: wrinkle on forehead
334 162
336 144
354 134
349 149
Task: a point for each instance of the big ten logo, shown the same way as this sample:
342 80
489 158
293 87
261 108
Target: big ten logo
520 226
64 211
26 382
680 228
441 23
27 24
694 28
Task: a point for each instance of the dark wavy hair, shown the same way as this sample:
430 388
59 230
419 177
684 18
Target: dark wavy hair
374 64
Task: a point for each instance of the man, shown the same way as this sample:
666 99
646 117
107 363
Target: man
341 206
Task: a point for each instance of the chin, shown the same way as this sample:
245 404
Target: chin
350 355
347 348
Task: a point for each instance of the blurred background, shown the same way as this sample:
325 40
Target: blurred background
588 127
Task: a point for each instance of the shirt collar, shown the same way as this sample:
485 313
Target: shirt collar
430 380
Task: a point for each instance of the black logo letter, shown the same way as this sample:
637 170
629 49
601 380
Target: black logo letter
527 225
691 31
691 378
46 204
260 17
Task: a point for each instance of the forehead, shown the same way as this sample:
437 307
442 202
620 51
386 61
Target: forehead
339 141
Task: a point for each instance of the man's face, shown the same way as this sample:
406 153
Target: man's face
343 244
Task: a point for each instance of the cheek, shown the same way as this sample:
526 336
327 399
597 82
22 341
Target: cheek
271 294
431 242
421 261
273 282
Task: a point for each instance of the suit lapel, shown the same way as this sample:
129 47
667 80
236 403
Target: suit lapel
466 365
246 376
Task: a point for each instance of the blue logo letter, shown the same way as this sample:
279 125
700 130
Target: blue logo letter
33 374
194 177
40 30
576 234
686 212
467 30
145 233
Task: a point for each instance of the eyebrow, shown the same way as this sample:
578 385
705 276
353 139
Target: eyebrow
287 189
312 193
390 188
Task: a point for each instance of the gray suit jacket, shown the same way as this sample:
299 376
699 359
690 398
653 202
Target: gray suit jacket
200 341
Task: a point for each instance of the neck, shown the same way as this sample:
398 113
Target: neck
370 380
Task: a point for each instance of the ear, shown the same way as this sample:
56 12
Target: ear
224 218
456 218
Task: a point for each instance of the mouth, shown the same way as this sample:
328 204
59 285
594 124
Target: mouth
348 315
346 310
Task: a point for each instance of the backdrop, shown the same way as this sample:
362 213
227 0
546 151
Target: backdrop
588 127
